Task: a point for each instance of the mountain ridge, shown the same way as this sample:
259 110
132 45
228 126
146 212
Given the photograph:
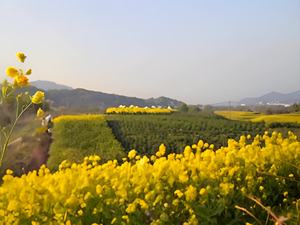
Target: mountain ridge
63 95
49 85
271 98
81 98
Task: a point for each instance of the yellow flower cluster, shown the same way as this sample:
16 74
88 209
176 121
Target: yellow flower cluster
138 110
20 78
199 186
78 117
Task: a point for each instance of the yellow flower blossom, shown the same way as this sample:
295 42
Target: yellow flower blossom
38 97
21 56
190 193
40 113
202 191
21 81
162 151
80 212
225 188
12 72
261 188
9 172
178 193
132 154
131 208
126 218
113 220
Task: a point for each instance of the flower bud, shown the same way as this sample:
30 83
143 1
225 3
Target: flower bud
21 56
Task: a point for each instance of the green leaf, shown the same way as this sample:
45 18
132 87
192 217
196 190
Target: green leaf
4 91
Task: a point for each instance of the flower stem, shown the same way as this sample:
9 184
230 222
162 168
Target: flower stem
7 138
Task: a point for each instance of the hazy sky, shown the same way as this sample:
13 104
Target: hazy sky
196 51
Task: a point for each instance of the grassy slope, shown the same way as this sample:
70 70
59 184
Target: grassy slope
146 132
76 137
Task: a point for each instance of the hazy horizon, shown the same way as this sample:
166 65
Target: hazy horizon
200 52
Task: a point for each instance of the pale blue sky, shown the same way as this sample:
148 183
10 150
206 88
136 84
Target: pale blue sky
196 51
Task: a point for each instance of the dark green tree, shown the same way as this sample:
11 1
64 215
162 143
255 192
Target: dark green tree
183 108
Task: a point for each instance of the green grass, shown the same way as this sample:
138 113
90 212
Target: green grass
80 136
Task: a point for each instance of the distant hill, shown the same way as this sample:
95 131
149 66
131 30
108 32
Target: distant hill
272 98
65 96
163 101
49 85
82 98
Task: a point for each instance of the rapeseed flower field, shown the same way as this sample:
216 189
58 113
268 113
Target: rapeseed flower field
251 181
259 117
138 110
81 117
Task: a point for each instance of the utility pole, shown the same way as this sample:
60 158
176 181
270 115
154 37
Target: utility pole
229 109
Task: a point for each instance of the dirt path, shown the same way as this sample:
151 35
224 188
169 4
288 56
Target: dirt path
39 154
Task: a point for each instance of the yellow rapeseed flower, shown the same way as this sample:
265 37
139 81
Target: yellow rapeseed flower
21 81
261 188
178 193
9 172
131 208
169 188
12 71
132 154
40 113
126 218
38 97
225 188
190 193
113 220
161 151
202 191
21 56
